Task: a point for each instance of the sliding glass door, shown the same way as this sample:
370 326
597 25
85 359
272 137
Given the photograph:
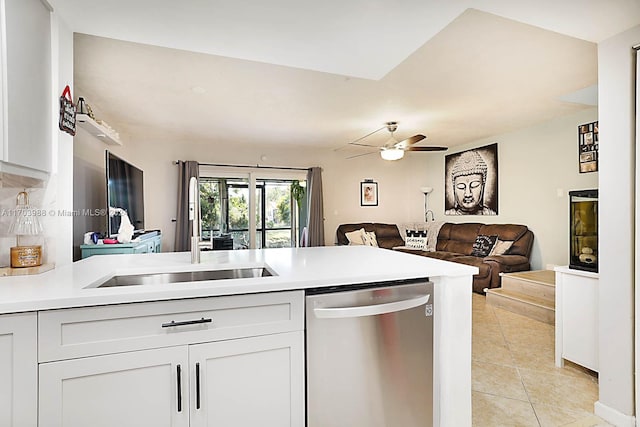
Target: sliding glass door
274 216
237 215
225 211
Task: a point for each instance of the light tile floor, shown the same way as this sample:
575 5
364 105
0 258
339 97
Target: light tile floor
514 378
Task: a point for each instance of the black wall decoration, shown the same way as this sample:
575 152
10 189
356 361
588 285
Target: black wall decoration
67 120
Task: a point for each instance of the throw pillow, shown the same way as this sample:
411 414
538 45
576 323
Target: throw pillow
483 245
355 237
501 247
369 239
405 227
416 239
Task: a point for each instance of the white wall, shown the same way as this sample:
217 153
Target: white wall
399 196
62 169
537 166
617 199
89 186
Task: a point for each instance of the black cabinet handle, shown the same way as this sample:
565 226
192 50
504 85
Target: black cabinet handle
186 322
197 386
179 377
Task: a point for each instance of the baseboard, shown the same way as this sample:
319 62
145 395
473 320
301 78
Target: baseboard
614 417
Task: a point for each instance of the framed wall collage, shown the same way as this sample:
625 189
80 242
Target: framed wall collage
588 147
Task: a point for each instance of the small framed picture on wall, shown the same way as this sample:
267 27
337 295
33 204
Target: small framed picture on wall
368 193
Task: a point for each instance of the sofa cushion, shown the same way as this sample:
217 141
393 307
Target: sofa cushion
386 231
504 231
355 237
458 238
501 247
416 239
483 245
405 227
387 235
369 239
521 236
361 237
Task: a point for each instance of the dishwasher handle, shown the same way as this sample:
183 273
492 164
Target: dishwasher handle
370 310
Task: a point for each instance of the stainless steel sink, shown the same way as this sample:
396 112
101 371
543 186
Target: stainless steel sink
185 276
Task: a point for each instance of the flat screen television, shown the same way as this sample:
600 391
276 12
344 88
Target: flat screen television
125 190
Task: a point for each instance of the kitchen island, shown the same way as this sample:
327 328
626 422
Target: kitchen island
72 289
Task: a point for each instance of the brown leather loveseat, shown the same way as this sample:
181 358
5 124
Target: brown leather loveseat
455 243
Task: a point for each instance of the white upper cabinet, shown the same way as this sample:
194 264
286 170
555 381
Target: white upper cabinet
26 87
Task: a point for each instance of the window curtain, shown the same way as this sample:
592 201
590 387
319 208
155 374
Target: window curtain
186 170
315 221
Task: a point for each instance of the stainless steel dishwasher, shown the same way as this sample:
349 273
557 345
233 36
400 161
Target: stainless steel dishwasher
370 355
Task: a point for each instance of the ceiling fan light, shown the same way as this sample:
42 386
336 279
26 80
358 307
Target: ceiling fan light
391 154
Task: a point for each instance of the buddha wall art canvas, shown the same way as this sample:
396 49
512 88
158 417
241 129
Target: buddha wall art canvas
471 182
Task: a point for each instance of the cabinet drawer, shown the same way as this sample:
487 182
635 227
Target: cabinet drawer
141 249
88 331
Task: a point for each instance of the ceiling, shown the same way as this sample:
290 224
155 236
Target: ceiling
320 74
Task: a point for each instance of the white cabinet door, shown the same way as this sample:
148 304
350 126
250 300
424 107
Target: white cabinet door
141 388
26 33
18 370
578 318
248 382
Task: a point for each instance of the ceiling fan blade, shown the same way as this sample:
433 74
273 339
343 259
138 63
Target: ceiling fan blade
360 155
367 135
432 148
362 145
410 141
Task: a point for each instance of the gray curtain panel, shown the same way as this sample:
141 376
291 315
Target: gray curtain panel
315 223
186 170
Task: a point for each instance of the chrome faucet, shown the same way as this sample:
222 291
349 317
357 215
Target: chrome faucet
194 217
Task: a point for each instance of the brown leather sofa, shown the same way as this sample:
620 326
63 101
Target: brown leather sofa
455 243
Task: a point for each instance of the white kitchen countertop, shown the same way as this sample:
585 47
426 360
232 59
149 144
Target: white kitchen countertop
296 268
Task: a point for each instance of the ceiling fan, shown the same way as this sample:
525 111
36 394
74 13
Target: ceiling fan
394 149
